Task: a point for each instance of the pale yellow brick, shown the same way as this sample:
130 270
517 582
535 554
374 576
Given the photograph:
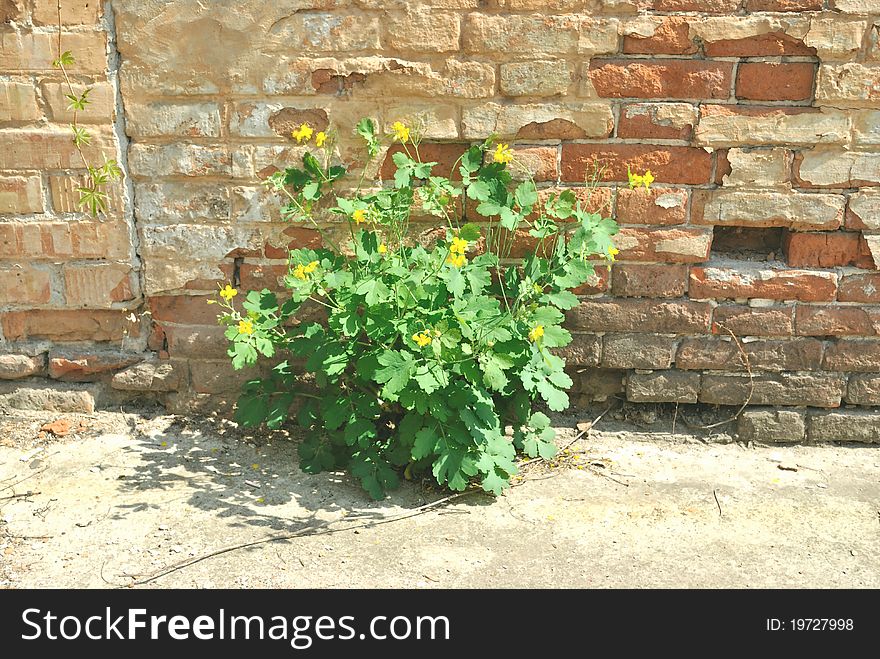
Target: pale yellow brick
536 78
20 194
24 284
64 191
101 108
18 102
850 84
97 285
758 168
51 148
23 51
73 12
424 30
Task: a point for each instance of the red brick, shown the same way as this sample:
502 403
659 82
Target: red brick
824 250
678 79
679 245
837 321
640 315
672 37
592 199
80 239
645 121
67 325
720 354
770 44
539 161
659 206
598 283
753 321
860 288
643 280
783 5
722 166
785 81
185 309
84 367
762 283
669 164
24 285
259 276
444 154
858 355
48 149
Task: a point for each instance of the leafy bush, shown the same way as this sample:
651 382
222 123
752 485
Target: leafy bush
428 352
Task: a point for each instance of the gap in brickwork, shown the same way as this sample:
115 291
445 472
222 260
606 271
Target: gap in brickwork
748 243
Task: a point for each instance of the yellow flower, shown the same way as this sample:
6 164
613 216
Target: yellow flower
459 245
245 327
311 267
503 154
458 260
360 215
648 179
303 133
612 252
228 293
536 333
401 132
383 248
421 339
300 272
320 138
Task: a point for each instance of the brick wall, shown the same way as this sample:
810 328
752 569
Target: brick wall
760 119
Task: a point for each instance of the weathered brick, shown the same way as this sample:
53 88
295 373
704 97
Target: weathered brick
856 355
860 288
678 79
67 325
24 285
535 78
767 81
663 387
100 110
177 202
73 12
863 389
64 190
866 127
537 162
640 315
670 164
50 398
845 426
80 239
723 354
537 121
810 389
425 30
149 160
643 280
863 211
670 37
824 250
183 309
20 194
735 125
307 32
12 11
645 351
771 426
757 168
678 245
706 6
212 377
14 367
768 209
833 168
750 321
660 206
97 285
195 341
835 38
837 320
29 51
444 154
167 118
664 121
783 5
849 84
87 366
153 375
538 34
18 102
763 283
584 350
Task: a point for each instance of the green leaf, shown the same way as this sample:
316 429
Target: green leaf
425 443
510 219
454 467
539 421
375 474
374 290
471 161
556 400
469 232
396 372
316 454
478 191
367 129
526 195
493 367
359 432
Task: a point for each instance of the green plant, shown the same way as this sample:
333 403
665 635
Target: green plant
430 351
92 193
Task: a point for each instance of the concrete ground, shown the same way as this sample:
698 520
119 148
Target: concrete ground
123 499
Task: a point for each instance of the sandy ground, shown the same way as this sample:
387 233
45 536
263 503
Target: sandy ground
137 500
